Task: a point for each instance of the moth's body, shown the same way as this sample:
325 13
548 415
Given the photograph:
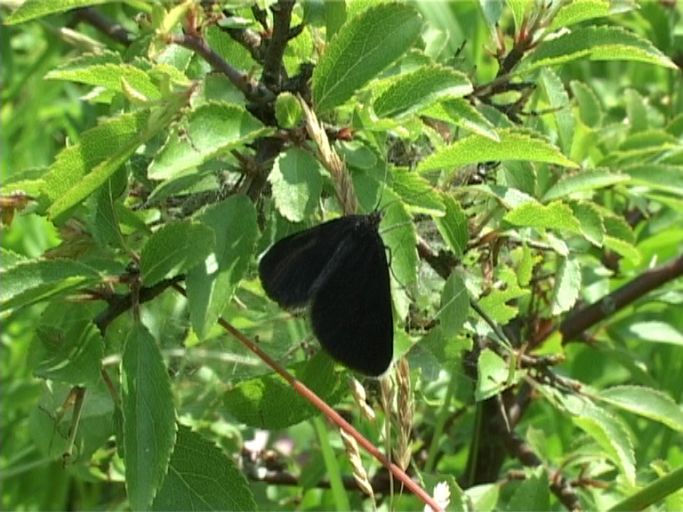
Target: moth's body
340 269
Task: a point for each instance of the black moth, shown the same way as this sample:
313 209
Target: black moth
339 268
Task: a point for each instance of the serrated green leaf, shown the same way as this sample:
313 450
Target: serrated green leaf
363 46
590 222
97 145
296 182
201 477
636 110
455 306
497 302
9 258
607 431
484 497
420 88
590 108
453 226
577 11
513 145
211 284
174 249
558 99
595 43
556 215
107 71
567 285
582 182
398 233
667 178
463 114
417 192
519 8
147 127
31 281
269 402
32 9
149 423
212 130
647 402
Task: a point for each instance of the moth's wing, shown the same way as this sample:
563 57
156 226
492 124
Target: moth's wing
351 306
290 267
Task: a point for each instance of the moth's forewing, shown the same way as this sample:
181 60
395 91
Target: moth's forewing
292 265
351 305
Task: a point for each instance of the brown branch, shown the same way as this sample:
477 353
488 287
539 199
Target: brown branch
104 24
585 318
119 304
253 91
272 64
332 415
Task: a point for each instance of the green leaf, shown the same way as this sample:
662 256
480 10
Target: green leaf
667 178
32 9
647 402
556 215
519 9
96 145
484 497
463 114
288 110
31 281
607 431
595 43
493 375
455 306
146 126
174 249
364 46
577 11
583 182
513 145
420 88
417 192
636 110
201 477
399 235
296 182
212 130
211 284
69 346
271 403
533 493
590 222
567 285
590 108
558 99
497 302
149 424
107 71
453 226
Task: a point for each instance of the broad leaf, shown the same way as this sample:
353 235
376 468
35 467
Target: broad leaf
577 11
31 281
420 88
174 249
270 402
647 402
567 285
513 145
455 305
417 192
212 130
211 284
556 215
201 477
595 43
149 423
32 9
296 183
582 182
453 226
364 46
